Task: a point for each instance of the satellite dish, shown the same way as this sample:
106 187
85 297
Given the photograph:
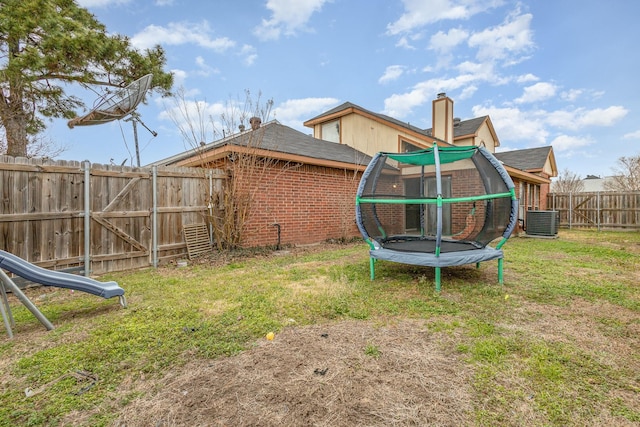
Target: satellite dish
117 106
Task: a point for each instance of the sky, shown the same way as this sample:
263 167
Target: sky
560 73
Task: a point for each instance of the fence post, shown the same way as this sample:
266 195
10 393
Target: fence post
570 209
598 209
87 218
154 217
210 204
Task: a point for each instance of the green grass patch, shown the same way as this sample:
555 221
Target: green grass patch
510 336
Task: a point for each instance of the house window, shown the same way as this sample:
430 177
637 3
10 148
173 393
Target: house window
407 147
330 131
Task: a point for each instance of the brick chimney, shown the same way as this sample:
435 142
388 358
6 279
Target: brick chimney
442 119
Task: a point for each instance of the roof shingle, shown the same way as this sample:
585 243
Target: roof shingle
526 159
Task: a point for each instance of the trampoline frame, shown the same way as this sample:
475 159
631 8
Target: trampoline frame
431 255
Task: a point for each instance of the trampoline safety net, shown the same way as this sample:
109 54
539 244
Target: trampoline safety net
437 200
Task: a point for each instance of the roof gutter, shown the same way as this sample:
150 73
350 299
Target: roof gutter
526 176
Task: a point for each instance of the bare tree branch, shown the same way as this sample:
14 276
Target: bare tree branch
568 182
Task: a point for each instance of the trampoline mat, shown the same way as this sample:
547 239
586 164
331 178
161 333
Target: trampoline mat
428 245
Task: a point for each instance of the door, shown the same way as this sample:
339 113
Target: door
422 218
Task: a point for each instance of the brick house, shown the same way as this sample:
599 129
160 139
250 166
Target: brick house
531 169
309 187
306 191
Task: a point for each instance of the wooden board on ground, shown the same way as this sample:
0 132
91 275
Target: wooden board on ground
197 238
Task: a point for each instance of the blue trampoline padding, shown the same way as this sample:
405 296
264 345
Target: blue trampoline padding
446 259
22 268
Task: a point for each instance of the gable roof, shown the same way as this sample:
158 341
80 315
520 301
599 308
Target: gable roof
529 159
462 128
281 142
349 107
465 127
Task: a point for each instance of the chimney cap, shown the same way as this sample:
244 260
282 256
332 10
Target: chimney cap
255 122
442 95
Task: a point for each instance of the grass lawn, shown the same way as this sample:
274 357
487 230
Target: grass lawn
557 345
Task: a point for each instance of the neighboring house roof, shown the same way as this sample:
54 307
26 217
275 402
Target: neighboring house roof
528 159
280 141
592 184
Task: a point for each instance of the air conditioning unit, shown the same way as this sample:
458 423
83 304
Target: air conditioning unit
542 223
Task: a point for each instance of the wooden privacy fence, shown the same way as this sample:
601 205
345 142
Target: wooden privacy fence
69 214
601 210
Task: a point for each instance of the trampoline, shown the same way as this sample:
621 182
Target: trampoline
437 207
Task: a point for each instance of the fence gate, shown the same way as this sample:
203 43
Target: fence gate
67 214
608 209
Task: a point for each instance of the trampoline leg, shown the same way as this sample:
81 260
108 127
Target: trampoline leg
500 275
372 263
437 279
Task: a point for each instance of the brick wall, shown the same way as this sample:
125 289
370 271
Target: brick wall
310 203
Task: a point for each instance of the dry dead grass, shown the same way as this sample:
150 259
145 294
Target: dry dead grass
318 375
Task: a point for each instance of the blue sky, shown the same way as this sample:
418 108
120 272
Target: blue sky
561 73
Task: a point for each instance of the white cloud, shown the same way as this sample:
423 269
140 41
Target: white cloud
467 92
198 118
178 33
204 68
537 92
249 54
164 2
401 105
471 74
392 72
294 112
580 118
513 124
287 17
527 78
632 135
445 42
505 42
601 117
571 94
403 42
566 143
418 13
534 126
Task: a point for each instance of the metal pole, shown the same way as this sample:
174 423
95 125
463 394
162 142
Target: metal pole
570 209
154 225
87 218
7 317
210 205
135 139
598 210
24 300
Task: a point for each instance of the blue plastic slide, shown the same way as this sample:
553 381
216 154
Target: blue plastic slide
59 279
33 273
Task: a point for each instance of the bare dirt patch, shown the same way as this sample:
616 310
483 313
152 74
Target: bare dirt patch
344 374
